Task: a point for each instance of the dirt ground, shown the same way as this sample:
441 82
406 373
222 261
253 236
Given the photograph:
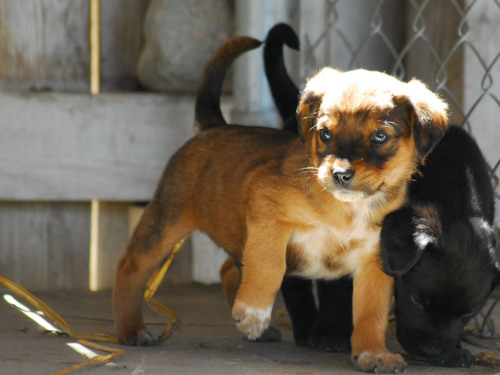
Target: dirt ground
206 342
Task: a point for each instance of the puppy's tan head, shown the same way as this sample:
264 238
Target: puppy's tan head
366 131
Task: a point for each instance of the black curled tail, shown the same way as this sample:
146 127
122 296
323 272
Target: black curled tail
207 108
285 93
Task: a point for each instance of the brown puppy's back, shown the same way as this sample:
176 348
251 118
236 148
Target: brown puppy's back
223 180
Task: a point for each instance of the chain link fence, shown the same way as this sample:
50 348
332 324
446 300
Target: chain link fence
452 45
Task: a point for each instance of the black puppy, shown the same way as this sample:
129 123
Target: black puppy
441 249
328 326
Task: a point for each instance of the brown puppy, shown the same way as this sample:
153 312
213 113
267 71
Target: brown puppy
275 202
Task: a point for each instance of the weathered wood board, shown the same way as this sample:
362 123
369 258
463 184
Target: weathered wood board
45 245
44 44
80 147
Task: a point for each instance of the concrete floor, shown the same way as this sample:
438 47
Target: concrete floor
207 342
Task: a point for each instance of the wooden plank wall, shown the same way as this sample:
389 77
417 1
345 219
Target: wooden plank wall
44 245
81 147
44 46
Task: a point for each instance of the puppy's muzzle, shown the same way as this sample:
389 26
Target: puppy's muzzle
343 177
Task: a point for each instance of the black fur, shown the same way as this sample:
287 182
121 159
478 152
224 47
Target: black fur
438 287
442 251
284 91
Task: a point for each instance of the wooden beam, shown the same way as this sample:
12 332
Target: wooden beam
110 147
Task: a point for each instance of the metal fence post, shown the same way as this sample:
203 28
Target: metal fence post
253 104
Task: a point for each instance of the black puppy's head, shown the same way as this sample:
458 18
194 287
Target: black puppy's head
443 276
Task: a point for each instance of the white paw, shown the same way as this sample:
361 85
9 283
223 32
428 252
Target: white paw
251 321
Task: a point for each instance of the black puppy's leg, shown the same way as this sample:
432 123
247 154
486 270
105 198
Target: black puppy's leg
333 326
299 301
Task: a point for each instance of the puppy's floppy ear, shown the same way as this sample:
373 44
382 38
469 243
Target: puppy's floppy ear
426 226
429 117
404 236
307 112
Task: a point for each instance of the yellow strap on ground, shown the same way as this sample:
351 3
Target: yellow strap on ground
155 281
97 360
488 359
38 304
51 314
151 288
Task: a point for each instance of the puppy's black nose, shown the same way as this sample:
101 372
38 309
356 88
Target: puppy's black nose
343 177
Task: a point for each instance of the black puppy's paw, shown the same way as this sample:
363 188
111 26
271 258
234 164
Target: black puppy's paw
457 357
327 335
301 337
328 342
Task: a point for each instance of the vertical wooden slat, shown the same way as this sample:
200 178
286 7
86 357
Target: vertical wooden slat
109 232
94 46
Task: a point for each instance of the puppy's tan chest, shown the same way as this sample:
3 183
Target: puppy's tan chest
326 251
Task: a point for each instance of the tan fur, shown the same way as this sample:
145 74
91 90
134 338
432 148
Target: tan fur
268 198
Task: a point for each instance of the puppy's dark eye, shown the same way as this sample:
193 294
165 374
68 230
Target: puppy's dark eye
379 138
325 135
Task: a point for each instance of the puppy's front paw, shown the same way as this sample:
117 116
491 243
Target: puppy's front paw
250 320
379 362
457 357
329 342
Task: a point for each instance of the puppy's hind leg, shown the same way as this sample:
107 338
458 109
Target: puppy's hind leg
230 278
151 243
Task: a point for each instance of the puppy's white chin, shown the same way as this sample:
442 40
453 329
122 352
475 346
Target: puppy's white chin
349 196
